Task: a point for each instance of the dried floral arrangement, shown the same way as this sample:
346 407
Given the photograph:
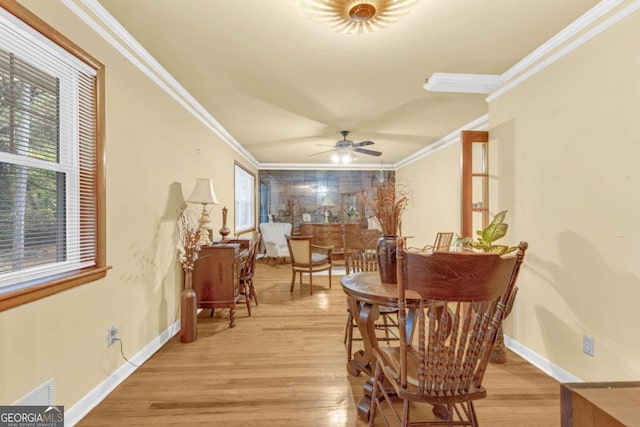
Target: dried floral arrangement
188 238
387 204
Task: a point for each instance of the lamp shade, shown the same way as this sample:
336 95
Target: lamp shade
204 193
327 202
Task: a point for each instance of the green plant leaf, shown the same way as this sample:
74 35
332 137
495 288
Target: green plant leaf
496 230
500 249
479 244
500 216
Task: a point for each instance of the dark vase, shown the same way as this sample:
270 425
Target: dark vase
387 246
188 315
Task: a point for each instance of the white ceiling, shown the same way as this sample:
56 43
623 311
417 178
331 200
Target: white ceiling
281 84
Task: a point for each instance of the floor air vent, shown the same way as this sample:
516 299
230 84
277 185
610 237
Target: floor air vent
41 396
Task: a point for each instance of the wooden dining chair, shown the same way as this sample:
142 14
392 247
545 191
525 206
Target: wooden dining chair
441 244
308 258
246 274
464 298
360 256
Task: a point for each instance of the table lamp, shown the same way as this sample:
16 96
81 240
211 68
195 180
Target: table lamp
204 193
326 203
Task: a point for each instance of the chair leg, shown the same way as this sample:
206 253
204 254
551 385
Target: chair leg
247 296
248 305
472 414
346 329
386 328
252 289
310 282
348 335
405 413
374 394
293 280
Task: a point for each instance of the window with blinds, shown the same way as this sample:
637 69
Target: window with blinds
245 205
48 157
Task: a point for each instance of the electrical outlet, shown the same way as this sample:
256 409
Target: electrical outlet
588 345
112 335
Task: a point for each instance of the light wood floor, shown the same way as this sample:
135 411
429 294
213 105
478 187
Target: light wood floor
285 366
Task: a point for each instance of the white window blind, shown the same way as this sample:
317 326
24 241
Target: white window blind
47 157
244 199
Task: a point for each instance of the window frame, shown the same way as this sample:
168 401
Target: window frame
32 290
243 228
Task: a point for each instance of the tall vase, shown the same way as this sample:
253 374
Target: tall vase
224 231
188 312
387 246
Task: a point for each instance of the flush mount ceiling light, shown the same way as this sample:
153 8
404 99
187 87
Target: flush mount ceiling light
357 16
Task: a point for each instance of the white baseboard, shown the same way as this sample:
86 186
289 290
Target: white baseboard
540 362
102 390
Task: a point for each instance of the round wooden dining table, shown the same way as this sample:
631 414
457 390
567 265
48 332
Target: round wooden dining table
365 294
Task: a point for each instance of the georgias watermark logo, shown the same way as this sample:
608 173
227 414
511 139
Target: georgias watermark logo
32 416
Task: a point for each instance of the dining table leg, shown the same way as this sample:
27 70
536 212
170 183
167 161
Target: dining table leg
365 316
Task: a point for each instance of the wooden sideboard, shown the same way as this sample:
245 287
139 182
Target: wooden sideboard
216 277
329 235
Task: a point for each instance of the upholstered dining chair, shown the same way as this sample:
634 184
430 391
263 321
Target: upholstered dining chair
464 298
308 258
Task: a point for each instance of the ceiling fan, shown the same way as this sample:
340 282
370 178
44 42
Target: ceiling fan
345 149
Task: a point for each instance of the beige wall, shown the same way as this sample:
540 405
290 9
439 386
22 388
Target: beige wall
155 152
434 182
565 156
564 162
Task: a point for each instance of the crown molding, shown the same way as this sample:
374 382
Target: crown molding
462 83
571 30
481 123
534 63
325 166
128 46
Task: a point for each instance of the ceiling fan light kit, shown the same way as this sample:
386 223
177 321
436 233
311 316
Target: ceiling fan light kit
357 16
345 157
344 150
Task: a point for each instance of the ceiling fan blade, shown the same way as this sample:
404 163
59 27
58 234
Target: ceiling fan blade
322 152
369 152
325 145
363 143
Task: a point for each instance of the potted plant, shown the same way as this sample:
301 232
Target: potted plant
484 242
496 230
387 204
